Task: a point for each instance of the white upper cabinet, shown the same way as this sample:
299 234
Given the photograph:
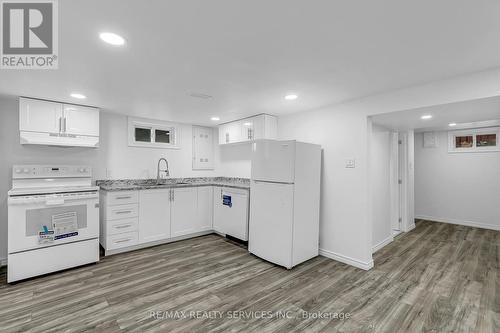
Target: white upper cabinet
262 126
51 123
39 116
81 120
230 132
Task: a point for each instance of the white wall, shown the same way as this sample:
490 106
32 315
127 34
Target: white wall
462 188
344 227
114 155
380 187
343 133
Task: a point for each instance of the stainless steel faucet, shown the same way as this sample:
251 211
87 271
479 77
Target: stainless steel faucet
167 173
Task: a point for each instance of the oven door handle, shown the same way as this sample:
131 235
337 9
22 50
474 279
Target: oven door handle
54 202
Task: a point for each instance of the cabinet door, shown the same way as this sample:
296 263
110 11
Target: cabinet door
248 129
205 208
184 208
216 200
154 215
39 116
81 120
231 219
230 132
234 131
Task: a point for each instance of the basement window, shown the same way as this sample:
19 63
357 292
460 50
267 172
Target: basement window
474 140
152 133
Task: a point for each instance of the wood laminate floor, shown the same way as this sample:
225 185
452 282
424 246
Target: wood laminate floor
436 278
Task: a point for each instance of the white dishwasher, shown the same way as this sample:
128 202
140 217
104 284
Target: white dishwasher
231 212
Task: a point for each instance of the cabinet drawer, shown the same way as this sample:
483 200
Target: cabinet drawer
122 211
121 240
121 226
123 197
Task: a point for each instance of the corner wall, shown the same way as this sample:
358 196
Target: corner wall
459 188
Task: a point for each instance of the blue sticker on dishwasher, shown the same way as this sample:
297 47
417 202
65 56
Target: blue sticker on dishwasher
71 234
226 200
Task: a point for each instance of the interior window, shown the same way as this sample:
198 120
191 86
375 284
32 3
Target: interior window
465 141
162 136
142 134
486 140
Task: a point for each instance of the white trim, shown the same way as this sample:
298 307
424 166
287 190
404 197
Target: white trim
409 227
347 260
383 243
474 133
3 262
459 222
153 125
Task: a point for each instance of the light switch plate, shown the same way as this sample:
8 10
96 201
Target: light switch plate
350 163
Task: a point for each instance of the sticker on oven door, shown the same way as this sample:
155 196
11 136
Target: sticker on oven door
226 200
46 236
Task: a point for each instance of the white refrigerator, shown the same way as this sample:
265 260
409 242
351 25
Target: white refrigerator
284 201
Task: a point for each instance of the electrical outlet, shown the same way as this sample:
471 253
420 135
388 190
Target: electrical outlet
350 164
109 174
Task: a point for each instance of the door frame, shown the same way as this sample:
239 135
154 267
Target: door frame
406 153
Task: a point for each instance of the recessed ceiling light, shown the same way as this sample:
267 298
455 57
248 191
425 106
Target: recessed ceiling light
425 117
247 124
215 118
112 38
291 97
452 124
77 95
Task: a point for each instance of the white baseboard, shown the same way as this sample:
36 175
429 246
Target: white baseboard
383 243
410 227
347 260
3 262
459 222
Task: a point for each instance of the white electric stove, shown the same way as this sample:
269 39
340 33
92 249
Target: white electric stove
53 219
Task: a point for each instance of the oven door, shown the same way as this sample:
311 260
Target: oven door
75 217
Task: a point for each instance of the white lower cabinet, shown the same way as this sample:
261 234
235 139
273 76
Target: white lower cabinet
231 212
154 215
205 208
134 219
184 211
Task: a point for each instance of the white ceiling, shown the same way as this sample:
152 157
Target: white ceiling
249 54
483 112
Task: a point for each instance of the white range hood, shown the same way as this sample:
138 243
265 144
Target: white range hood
49 139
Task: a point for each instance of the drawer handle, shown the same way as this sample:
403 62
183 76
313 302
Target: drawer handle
123 212
123 226
123 240
124 197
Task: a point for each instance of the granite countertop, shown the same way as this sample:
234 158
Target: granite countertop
145 184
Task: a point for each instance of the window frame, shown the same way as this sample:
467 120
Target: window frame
153 125
474 133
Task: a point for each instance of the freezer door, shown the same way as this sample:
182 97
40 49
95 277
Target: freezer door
271 221
273 161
